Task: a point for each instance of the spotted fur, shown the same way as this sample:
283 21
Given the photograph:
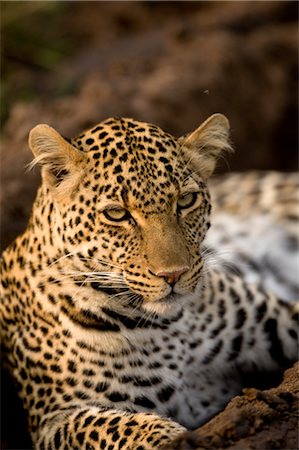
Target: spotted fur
118 333
255 229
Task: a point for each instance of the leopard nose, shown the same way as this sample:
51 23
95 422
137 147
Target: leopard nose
172 276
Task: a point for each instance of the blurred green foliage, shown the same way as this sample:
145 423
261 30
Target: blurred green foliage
34 40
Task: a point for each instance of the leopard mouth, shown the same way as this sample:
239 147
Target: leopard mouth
107 289
168 300
170 304
112 291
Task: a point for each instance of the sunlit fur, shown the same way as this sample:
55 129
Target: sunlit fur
122 329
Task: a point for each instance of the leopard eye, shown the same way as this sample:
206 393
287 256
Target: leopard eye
187 200
117 214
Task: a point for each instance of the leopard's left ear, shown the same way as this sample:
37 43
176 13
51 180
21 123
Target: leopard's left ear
204 145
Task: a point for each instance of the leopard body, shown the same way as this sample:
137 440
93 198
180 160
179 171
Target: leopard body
115 327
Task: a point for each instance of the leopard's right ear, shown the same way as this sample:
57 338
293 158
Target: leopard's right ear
57 157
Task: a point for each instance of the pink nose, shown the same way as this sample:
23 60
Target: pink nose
172 276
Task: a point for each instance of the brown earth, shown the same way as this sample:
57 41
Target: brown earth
173 64
262 420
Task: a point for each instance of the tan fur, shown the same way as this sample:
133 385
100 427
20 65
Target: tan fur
54 154
111 324
206 143
164 245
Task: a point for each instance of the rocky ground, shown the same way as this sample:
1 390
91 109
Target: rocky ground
171 63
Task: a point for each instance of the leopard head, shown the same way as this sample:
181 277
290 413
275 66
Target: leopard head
125 206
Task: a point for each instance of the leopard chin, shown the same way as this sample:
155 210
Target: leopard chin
167 306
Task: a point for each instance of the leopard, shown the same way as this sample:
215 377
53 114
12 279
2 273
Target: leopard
118 331
257 207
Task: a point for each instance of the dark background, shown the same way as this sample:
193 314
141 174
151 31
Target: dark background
73 64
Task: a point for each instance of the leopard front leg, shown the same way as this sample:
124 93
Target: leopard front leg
95 428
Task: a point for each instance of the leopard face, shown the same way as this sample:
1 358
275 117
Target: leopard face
124 208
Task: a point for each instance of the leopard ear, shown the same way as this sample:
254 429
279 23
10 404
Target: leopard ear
57 157
204 145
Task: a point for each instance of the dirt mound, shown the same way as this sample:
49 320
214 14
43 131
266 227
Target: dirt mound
264 420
